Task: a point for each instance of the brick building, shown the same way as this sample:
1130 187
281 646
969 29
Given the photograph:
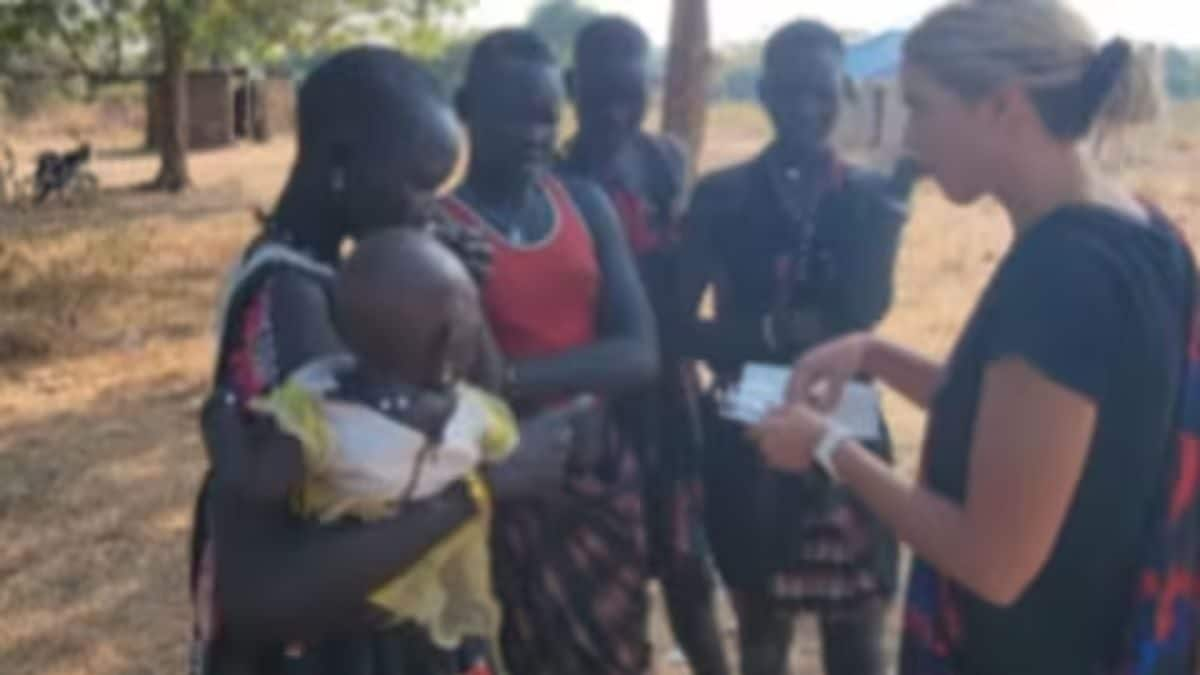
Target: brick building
225 105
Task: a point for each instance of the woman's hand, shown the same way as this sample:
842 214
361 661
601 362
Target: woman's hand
539 466
819 378
788 437
248 452
471 247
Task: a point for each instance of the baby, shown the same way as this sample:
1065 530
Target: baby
393 422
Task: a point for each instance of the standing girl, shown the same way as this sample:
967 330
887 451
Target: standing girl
645 177
799 248
274 594
569 316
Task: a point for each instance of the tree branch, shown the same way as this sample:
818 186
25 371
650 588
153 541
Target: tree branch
69 41
117 64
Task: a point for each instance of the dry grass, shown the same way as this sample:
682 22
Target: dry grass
105 351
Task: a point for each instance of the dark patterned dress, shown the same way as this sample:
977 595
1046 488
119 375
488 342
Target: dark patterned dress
663 421
571 574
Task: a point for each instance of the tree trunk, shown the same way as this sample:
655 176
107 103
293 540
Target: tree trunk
173 173
689 61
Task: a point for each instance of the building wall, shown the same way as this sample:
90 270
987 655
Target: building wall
210 110
872 122
275 107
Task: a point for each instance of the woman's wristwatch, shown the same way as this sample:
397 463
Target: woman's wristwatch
834 439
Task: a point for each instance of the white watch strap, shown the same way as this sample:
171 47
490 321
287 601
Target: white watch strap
831 442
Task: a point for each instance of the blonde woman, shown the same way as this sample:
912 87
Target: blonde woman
1055 521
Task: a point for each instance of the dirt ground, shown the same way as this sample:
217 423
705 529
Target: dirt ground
105 348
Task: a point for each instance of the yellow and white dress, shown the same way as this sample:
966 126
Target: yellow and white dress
363 463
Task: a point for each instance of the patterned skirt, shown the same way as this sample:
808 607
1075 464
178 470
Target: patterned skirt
799 541
571 575
663 426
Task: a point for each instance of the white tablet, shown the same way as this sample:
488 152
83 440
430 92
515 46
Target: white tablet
763 388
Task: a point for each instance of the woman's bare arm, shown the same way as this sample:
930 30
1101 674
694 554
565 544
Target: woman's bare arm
1021 481
285 579
912 375
282 579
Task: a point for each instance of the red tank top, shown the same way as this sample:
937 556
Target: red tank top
541 299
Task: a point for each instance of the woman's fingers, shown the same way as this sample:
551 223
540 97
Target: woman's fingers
800 386
816 385
558 428
819 379
827 397
249 452
786 438
572 414
548 444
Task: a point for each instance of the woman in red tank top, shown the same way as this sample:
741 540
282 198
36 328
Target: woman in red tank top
570 316
541 296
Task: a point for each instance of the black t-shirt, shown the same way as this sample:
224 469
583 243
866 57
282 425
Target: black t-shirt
1096 302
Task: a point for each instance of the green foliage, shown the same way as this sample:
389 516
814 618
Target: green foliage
110 40
258 31
97 39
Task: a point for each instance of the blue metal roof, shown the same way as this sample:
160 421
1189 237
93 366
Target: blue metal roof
876 57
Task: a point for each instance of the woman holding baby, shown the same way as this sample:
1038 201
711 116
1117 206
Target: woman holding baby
274 594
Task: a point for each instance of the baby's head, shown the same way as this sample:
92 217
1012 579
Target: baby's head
408 310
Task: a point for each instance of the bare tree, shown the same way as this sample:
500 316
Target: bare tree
175 20
689 62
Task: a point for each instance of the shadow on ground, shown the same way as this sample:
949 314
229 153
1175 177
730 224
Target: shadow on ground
95 506
114 206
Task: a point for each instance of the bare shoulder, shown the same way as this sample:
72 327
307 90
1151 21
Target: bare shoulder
582 189
591 200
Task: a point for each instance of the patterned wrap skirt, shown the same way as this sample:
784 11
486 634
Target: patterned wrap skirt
801 542
571 573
